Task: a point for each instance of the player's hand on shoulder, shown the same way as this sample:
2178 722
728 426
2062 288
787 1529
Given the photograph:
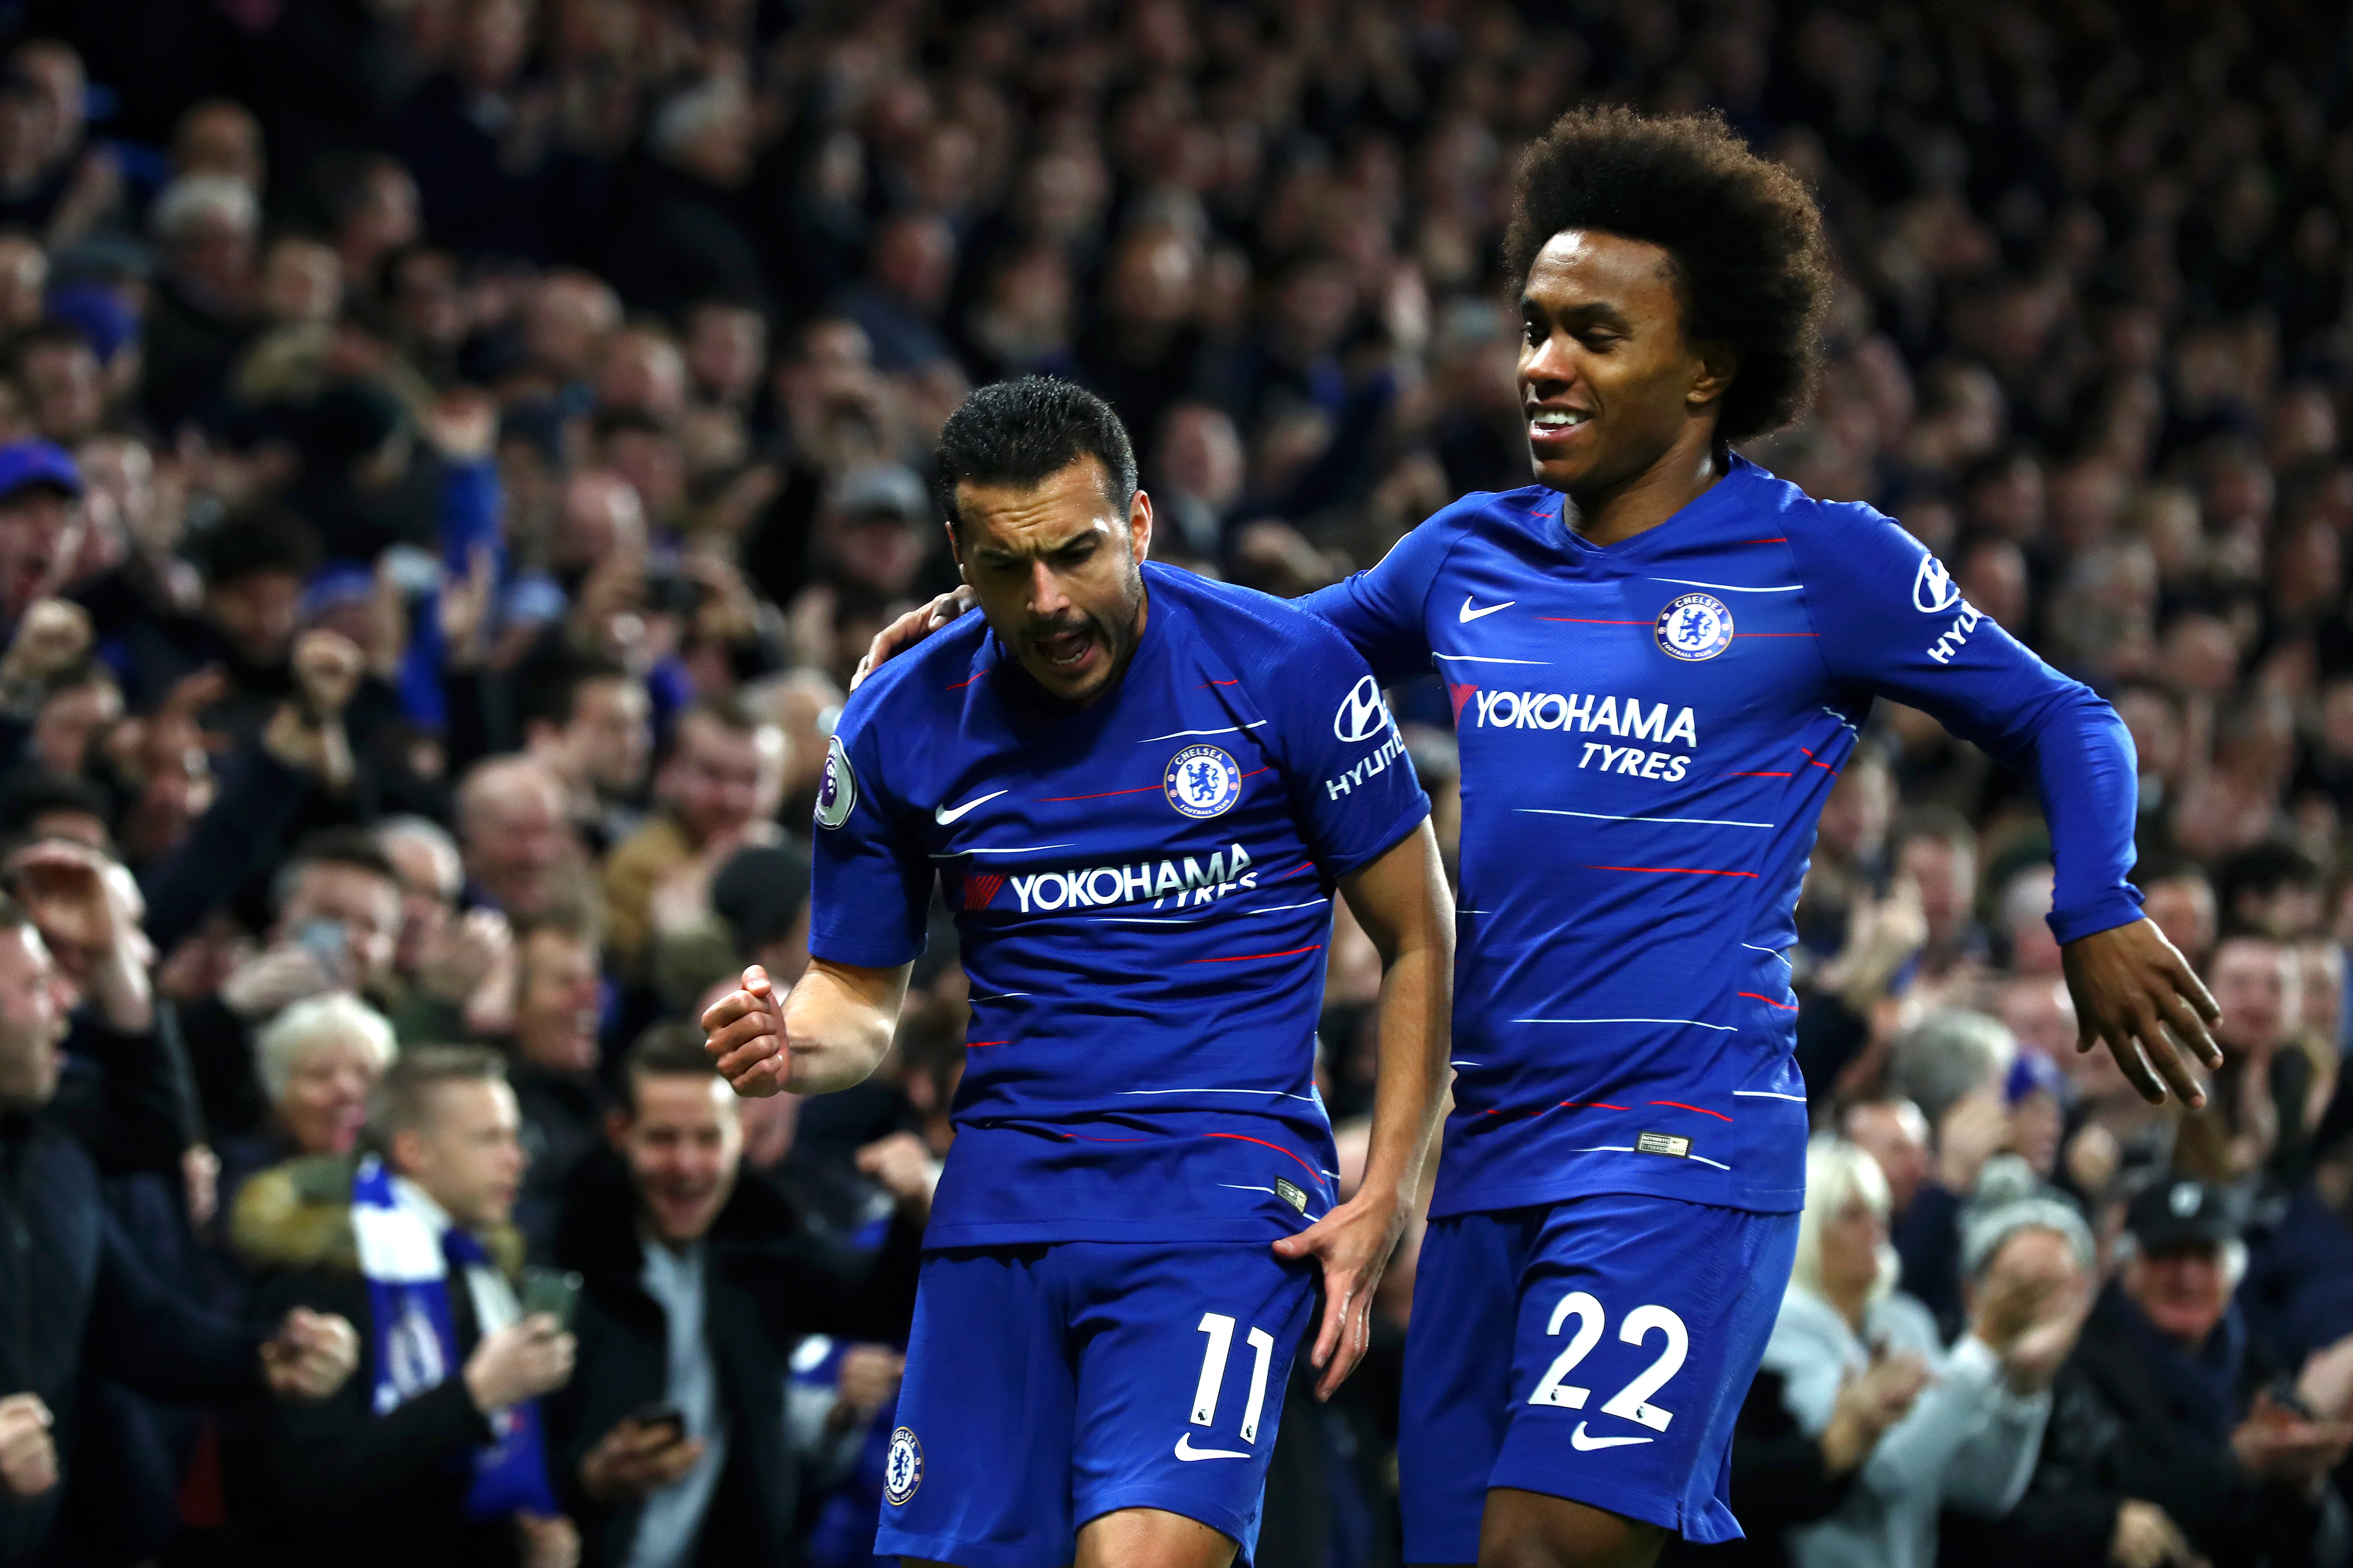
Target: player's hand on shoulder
911 628
744 1033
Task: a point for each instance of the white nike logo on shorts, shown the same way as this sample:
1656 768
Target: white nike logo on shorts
1184 1450
1470 614
943 815
1583 1444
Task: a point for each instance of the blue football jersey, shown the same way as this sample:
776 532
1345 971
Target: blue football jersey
1649 732
1143 894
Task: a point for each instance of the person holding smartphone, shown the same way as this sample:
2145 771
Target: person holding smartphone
664 1457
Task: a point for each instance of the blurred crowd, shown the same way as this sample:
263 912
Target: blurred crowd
453 454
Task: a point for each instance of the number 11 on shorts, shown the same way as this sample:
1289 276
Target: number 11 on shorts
1220 1330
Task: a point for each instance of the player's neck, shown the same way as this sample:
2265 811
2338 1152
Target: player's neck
1611 514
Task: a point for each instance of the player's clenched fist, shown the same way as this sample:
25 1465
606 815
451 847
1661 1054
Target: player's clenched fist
744 1033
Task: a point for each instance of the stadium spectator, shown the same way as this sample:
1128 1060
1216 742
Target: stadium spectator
439 1452
698 1285
319 1062
2171 1443
1952 1066
89 1307
552 1059
718 792
590 726
522 855
1969 1439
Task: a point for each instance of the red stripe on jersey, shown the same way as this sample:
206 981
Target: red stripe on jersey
1781 540
1140 789
1675 870
1753 997
1246 957
1303 865
960 685
1679 1105
979 888
1205 686
1459 695
976 1044
1244 1137
1756 775
1581 621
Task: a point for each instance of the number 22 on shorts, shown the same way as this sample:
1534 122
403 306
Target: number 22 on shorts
1630 1403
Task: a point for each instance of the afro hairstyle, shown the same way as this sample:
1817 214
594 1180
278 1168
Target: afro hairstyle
1752 268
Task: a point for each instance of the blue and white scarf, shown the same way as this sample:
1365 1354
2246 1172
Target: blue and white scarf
408 1267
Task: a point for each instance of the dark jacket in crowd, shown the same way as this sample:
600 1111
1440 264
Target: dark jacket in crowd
335 1482
768 1282
563 1124
1779 1480
77 1302
2135 1416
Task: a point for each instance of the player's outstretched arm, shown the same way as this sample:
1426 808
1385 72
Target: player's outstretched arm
830 1033
911 628
1401 901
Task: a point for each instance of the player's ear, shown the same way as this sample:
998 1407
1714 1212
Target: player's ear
1139 526
1718 364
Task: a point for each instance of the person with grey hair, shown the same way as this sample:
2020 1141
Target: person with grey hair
318 1061
689 228
1969 1441
449 961
202 309
1951 1063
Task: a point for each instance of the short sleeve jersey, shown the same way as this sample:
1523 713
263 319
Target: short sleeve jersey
1648 732
1142 890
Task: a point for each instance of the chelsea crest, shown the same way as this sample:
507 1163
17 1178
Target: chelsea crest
1695 626
1202 781
902 1468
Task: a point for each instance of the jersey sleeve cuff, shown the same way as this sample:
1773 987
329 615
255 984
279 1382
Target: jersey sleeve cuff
1389 839
862 953
2116 906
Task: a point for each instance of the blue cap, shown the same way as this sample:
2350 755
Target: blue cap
2031 1072
24 464
99 314
343 583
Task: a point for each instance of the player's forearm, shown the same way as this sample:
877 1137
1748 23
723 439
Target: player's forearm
1411 1072
1403 905
2089 781
838 1022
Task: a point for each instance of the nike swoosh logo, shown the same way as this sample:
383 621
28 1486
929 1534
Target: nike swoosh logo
1470 614
1585 1445
943 815
1184 1450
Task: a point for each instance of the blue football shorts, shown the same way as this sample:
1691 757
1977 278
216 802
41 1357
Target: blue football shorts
1598 1350
1047 1384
